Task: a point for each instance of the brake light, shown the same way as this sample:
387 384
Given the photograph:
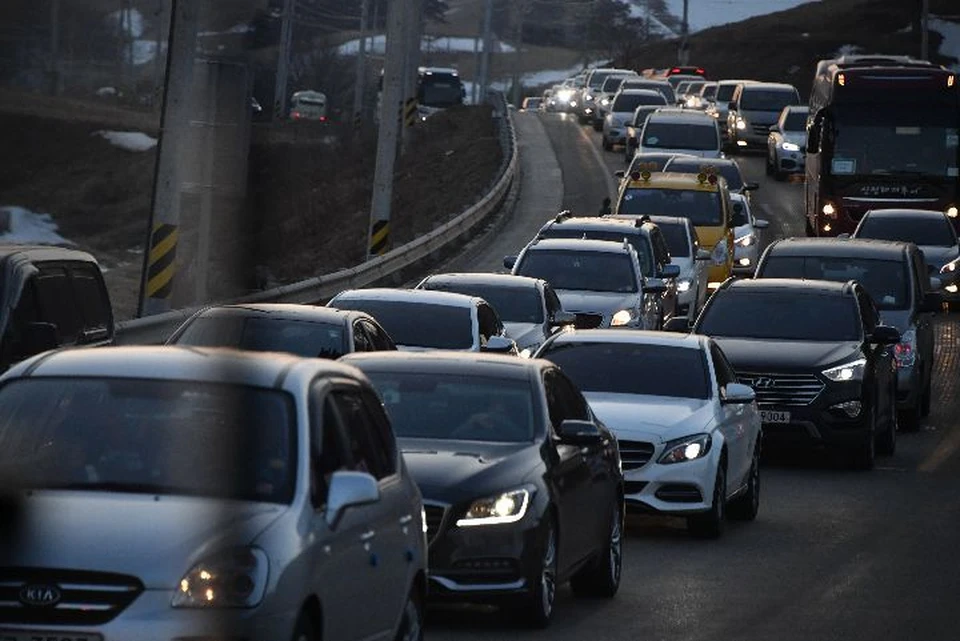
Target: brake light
323 119
842 80
295 115
700 71
675 70
951 80
905 352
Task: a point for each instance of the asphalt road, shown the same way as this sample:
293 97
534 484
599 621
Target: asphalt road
833 555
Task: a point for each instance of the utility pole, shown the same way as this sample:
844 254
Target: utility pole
413 38
646 21
520 8
391 105
158 53
55 47
683 55
283 60
925 30
361 67
485 54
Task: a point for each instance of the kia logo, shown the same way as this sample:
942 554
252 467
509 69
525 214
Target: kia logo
764 383
40 596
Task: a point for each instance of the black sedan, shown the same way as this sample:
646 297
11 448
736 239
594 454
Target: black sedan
818 358
522 485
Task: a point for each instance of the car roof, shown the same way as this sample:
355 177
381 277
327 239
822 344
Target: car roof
683 116
734 81
38 253
414 296
487 279
780 86
671 220
851 247
930 214
286 311
618 225
178 363
631 337
794 285
703 162
640 92
670 180
579 245
441 362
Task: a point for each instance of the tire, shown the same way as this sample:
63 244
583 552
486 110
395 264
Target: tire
602 577
304 630
863 456
536 608
745 507
411 625
709 525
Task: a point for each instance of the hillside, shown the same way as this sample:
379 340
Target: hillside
786 45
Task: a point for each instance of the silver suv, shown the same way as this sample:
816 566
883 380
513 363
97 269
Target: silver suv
197 493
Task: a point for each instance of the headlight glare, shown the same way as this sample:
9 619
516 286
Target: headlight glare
746 241
508 507
952 211
852 371
683 285
234 579
688 448
741 124
790 146
621 318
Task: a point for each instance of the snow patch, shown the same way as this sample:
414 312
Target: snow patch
128 140
950 46
377 45
20 226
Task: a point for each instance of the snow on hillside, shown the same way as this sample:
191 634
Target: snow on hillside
704 14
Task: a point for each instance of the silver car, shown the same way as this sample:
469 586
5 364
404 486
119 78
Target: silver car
787 143
206 494
746 235
693 260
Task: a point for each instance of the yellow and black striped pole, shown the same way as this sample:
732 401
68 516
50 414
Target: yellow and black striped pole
410 112
161 263
379 237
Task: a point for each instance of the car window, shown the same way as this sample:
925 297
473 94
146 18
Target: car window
57 302
885 279
26 311
921 230
552 300
674 135
868 311
92 297
328 450
636 240
660 247
418 324
564 402
676 239
782 315
379 339
701 207
361 340
583 271
364 445
488 321
724 372
577 407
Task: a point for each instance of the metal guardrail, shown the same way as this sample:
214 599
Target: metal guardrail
156 329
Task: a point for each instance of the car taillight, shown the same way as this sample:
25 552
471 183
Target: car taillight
905 352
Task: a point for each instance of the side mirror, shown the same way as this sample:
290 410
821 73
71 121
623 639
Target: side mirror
702 254
671 271
760 223
885 335
349 489
751 186
500 345
41 337
562 318
654 286
932 302
678 324
619 174
573 432
774 129
737 394
509 261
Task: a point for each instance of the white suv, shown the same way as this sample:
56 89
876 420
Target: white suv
680 131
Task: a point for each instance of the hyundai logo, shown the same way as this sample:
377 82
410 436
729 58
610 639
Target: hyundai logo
40 596
764 383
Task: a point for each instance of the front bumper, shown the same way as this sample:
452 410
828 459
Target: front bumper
820 423
678 489
791 161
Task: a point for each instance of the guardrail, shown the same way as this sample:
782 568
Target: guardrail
156 329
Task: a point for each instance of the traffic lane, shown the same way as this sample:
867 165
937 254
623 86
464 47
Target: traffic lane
586 182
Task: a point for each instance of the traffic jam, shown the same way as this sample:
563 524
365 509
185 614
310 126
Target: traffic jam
481 438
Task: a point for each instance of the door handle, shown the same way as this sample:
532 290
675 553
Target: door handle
367 536
405 519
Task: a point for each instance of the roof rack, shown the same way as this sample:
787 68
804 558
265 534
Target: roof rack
562 216
639 222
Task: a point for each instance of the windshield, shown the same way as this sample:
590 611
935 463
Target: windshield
676 238
701 207
264 334
795 121
598 78
694 87
513 304
676 135
729 171
783 315
895 149
629 102
624 368
922 230
585 271
637 241
150 437
725 92
318 102
441 91
885 280
457 407
756 99
414 324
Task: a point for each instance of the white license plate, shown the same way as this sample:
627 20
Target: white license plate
766 416
45 635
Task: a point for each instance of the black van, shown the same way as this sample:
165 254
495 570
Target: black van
50 297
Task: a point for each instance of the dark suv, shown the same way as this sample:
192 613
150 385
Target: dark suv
896 276
816 355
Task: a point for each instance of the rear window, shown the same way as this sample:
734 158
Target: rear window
885 280
795 121
676 135
725 92
784 315
264 334
932 232
757 99
708 91
629 102
637 241
611 84
583 271
513 304
419 324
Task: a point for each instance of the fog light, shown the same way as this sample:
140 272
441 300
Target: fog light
744 262
741 143
850 408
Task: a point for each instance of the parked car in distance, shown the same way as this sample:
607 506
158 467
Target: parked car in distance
521 482
304 330
207 493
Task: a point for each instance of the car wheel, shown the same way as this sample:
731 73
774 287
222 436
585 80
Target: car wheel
745 507
411 625
602 577
709 525
537 608
863 456
304 629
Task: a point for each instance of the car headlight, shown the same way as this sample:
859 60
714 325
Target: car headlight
952 211
688 448
852 371
508 507
741 123
234 579
588 98
746 241
905 352
605 101
623 317
683 285
949 268
790 146
573 103
720 253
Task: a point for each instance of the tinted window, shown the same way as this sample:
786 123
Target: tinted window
329 452
638 242
611 84
454 406
92 298
364 442
725 92
795 121
150 437
265 334
757 99
663 88
701 207
57 302
782 315
593 271
677 239
708 92
419 324
27 311
629 102
598 77
675 135
623 368
729 171
488 322
378 338
513 304
923 230
885 280
641 114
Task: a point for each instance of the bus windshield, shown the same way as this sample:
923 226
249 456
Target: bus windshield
440 90
872 149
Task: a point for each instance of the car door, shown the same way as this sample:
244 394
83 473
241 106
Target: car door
701 273
733 424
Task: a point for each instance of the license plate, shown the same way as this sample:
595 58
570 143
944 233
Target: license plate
43 635
766 416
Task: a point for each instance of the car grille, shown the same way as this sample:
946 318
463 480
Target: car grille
783 389
589 321
634 454
761 130
435 514
86 598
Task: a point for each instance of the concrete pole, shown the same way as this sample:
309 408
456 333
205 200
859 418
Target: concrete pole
475 85
283 61
360 81
391 105
520 7
925 30
413 39
485 54
158 57
683 54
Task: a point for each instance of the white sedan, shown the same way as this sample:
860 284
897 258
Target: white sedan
746 236
689 433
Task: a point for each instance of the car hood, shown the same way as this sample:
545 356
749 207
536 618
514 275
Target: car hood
524 334
742 230
640 417
939 256
902 319
155 538
785 356
453 471
606 303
